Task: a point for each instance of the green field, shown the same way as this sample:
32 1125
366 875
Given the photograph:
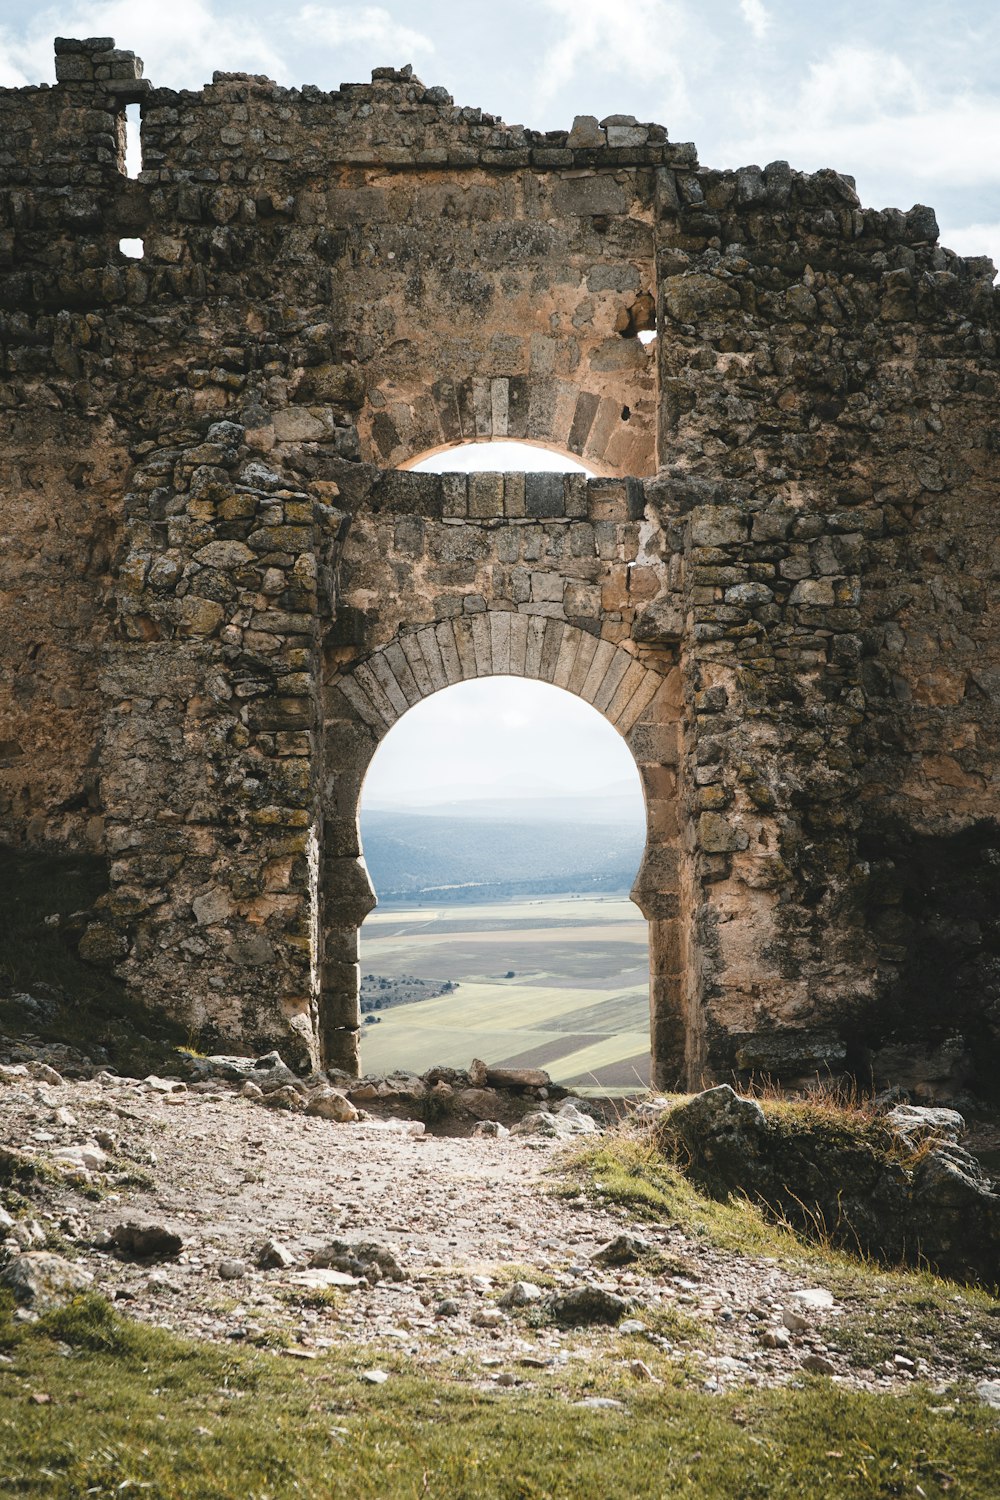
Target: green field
577 1004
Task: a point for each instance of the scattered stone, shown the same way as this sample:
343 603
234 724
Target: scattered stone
365 1259
776 1338
331 1104
915 1123
286 1096
818 1364
449 1308
490 1128
478 1073
588 1304
989 1392
521 1294
231 1270
42 1281
146 1241
623 1250
273 1256
641 1370
600 1403
518 1078
374 1377
632 1325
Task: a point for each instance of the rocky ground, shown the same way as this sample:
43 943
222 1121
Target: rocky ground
288 1229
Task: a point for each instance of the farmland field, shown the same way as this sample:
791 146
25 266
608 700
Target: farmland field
576 1004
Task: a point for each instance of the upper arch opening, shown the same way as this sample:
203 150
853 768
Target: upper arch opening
498 455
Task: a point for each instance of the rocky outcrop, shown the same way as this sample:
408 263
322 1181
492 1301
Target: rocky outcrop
899 1188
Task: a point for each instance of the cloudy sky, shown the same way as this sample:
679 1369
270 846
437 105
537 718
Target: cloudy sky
904 95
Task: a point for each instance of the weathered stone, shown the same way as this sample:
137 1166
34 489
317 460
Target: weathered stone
589 1304
42 1281
521 1294
365 1259
330 1104
146 1241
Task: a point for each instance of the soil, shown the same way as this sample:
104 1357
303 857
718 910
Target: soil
464 1216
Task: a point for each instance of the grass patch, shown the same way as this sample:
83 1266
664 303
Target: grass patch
888 1310
96 1010
323 1298
134 1408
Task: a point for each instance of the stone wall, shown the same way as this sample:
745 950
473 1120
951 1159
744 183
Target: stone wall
218 589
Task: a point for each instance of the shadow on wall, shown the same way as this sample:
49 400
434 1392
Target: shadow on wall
934 903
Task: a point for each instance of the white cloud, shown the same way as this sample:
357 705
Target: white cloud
868 113
632 36
13 74
370 25
757 17
503 736
973 239
181 43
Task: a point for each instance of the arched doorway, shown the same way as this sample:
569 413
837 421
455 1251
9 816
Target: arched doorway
503 824
639 699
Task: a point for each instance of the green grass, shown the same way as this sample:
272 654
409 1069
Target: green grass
577 1003
96 1009
136 1410
887 1311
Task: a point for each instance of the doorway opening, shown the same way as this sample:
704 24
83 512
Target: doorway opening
498 456
503 823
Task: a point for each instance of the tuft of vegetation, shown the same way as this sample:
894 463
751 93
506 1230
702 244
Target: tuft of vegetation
888 1311
92 1405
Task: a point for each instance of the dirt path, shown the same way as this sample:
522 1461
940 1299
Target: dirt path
464 1217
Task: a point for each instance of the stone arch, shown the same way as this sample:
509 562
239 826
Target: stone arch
610 426
641 699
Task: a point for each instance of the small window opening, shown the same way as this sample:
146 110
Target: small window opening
133 141
133 249
639 319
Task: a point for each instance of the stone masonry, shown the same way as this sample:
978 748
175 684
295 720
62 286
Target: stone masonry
219 585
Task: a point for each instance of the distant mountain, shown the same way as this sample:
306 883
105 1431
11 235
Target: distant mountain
517 791
484 850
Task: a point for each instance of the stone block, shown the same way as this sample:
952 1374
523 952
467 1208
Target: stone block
718 526
717 835
543 495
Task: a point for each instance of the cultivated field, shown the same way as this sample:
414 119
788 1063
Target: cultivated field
577 1003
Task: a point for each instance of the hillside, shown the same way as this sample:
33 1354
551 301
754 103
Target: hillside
481 850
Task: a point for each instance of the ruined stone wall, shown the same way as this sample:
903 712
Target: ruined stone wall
829 380
217 593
